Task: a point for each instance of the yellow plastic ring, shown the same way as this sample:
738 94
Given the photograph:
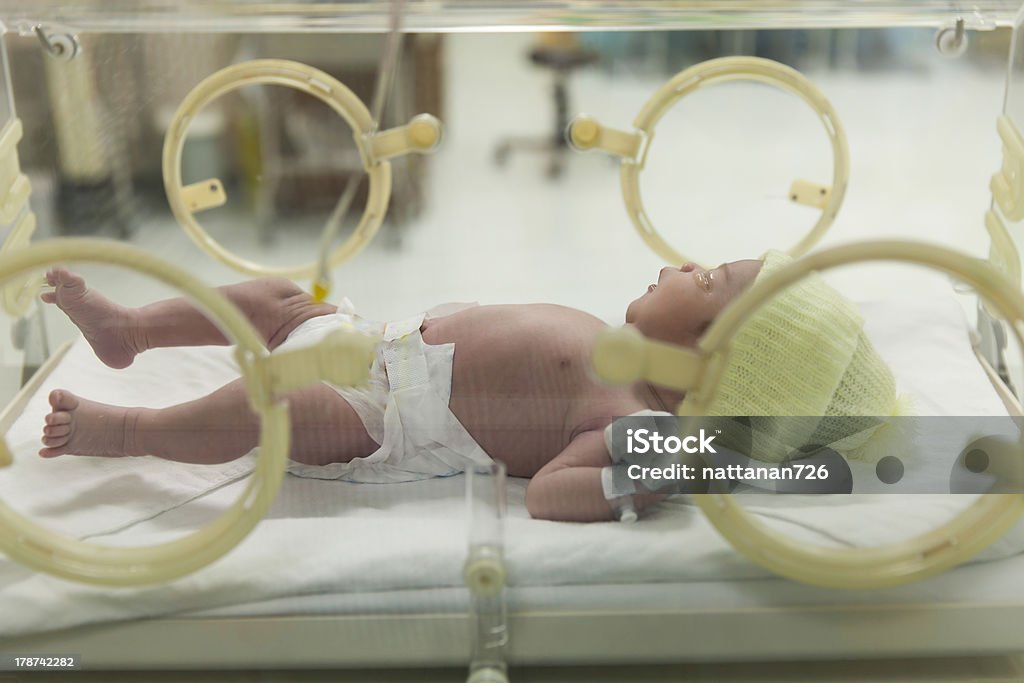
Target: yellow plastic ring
723 70
313 82
946 546
47 551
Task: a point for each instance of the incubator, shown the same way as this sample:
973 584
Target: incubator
245 428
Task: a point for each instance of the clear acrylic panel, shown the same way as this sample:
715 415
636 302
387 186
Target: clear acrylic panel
505 214
466 15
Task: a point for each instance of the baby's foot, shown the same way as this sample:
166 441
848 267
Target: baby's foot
105 325
82 427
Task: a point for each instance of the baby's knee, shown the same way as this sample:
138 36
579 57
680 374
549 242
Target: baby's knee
262 296
280 289
293 310
294 303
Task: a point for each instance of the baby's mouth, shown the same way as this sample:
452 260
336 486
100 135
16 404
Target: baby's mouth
651 288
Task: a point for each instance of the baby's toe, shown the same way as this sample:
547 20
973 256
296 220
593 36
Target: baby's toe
56 441
64 278
57 431
63 400
58 418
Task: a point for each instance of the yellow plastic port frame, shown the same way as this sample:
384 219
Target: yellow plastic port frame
422 134
15 296
624 355
45 550
585 133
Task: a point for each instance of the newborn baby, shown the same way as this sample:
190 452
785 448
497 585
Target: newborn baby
508 382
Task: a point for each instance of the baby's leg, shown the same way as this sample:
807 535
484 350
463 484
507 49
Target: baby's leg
275 306
213 429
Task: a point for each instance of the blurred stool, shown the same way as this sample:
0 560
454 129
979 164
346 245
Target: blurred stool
562 53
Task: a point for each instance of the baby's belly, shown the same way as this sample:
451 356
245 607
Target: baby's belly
518 371
522 432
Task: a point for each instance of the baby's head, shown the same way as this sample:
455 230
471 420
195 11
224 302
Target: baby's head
686 300
804 353
801 353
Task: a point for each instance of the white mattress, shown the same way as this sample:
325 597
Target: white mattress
336 547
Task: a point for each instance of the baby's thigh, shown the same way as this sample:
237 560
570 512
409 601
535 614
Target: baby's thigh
326 428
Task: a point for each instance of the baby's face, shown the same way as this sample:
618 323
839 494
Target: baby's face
685 301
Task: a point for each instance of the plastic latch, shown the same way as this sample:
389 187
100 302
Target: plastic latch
1008 184
585 132
809 194
16 294
16 199
424 133
342 358
206 194
1002 254
10 169
620 355
421 135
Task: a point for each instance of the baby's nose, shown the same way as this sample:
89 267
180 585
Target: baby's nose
688 267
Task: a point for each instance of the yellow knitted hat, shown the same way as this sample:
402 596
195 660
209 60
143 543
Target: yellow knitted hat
804 353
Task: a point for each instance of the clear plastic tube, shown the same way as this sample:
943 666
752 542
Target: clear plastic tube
485 570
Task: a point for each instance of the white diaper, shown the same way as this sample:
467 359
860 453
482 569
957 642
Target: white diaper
404 406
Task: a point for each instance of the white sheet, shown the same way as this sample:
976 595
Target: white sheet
326 537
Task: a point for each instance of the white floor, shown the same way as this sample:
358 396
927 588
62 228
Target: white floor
923 146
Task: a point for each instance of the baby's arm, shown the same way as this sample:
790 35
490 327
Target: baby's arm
569 487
